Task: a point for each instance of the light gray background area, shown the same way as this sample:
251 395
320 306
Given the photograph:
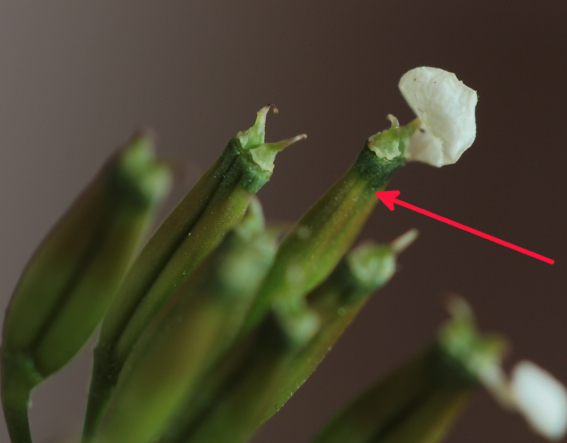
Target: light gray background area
76 78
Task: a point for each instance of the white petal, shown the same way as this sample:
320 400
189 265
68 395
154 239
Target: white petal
541 398
446 108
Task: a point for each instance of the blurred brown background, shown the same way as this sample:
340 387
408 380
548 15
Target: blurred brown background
76 78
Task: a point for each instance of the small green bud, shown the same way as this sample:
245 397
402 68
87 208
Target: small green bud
326 231
196 226
194 328
68 284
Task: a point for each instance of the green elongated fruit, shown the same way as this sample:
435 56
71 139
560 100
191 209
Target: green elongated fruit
236 411
233 407
313 247
198 405
336 302
198 224
193 329
69 282
254 363
420 400
327 230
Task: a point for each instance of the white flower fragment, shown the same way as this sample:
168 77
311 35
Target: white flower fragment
446 108
541 399
530 391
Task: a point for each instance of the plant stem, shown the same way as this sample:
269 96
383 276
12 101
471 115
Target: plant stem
18 380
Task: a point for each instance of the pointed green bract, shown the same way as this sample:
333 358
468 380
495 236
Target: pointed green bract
193 329
322 236
71 279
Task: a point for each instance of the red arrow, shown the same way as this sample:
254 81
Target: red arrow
389 198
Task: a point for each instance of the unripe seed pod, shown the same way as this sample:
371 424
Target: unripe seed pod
236 410
270 373
336 302
322 236
421 399
215 204
244 381
195 228
193 329
68 284
306 256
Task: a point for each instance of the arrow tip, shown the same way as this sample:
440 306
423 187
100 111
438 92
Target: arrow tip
388 198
